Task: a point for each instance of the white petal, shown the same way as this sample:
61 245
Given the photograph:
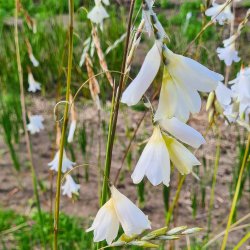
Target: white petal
168 98
106 223
132 219
182 132
191 73
98 14
145 77
180 156
72 131
223 94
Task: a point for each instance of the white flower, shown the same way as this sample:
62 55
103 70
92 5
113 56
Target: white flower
72 131
98 14
241 90
33 60
70 187
160 149
35 124
182 132
223 95
33 84
182 79
154 161
228 54
66 163
118 209
224 16
146 75
232 112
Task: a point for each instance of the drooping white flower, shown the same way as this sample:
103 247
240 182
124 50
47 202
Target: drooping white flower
223 95
226 14
182 132
98 14
228 54
182 79
241 89
70 187
72 129
154 162
33 84
66 163
145 77
33 60
118 209
36 124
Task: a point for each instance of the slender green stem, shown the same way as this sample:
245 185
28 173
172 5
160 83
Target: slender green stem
64 127
216 166
236 194
176 198
26 134
115 110
242 241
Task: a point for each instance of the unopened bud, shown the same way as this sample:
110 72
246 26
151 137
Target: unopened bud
210 100
192 230
142 243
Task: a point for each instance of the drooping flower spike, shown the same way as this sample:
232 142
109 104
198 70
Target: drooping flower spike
66 163
118 210
70 187
36 124
154 162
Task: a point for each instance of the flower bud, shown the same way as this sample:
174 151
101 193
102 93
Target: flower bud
210 100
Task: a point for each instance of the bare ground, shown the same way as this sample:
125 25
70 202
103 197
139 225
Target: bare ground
16 189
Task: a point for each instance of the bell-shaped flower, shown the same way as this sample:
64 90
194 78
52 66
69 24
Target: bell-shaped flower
36 124
160 149
223 94
70 187
33 60
72 129
145 77
98 14
182 79
220 12
118 210
33 84
66 163
228 54
154 162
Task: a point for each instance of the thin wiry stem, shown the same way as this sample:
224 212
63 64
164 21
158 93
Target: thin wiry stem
26 134
64 127
115 110
216 166
236 194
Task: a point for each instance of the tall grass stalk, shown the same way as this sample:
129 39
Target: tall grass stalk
242 241
26 134
235 199
115 110
64 126
216 166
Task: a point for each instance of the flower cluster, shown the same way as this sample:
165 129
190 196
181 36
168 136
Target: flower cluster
183 78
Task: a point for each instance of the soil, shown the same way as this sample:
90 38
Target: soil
16 189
